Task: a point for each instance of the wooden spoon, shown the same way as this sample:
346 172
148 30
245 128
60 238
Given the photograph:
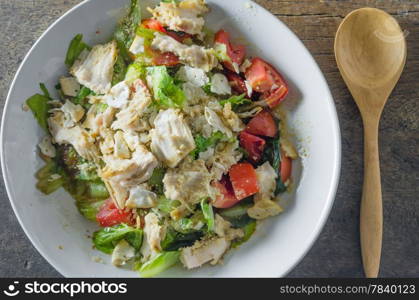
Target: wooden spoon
370 51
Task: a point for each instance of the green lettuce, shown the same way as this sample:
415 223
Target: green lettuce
126 29
75 48
107 238
39 106
208 214
203 144
236 101
166 92
159 263
89 209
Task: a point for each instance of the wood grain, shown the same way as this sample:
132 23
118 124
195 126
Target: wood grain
336 253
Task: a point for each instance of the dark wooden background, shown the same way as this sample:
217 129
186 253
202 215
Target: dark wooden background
336 253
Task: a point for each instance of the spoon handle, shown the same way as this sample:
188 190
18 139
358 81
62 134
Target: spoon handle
371 225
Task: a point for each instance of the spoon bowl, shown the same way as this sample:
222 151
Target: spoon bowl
370 50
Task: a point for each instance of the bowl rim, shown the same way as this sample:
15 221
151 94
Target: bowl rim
336 164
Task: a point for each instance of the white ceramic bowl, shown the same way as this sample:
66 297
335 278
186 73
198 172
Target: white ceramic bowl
53 222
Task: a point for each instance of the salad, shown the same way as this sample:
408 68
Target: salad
168 137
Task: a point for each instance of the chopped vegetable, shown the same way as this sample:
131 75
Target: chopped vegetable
263 124
249 230
158 264
126 30
265 79
244 180
236 101
153 25
110 215
89 209
235 53
97 190
39 107
167 94
106 239
156 180
226 197
203 144
237 211
135 71
208 214
237 83
45 90
119 70
176 240
75 48
253 145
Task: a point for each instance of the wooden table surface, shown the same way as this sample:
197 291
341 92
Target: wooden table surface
337 251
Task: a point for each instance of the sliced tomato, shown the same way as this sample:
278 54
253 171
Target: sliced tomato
286 167
153 25
263 124
226 197
237 53
244 180
237 83
178 35
253 144
165 59
265 79
109 215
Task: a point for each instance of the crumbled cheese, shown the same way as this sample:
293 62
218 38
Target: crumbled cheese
137 45
141 198
95 69
73 113
46 147
194 76
220 85
122 253
69 86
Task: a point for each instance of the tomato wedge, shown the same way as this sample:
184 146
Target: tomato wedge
253 144
265 79
237 53
237 83
226 197
165 59
244 180
286 167
263 124
109 215
153 25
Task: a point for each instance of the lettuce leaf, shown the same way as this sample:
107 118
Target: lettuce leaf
75 48
236 101
159 263
208 214
126 29
106 239
167 93
40 107
202 143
